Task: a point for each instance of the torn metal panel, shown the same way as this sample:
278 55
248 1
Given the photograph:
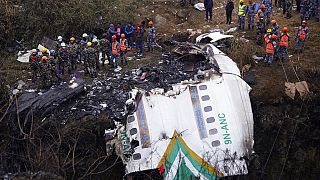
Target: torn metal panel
209 121
213 37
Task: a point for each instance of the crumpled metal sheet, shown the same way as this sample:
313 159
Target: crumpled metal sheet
290 89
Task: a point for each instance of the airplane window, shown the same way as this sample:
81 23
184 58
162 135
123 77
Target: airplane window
213 131
210 120
130 119
133 131
203 87
136 156
207 108
215 143
205 98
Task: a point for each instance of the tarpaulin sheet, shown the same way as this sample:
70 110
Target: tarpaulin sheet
214 118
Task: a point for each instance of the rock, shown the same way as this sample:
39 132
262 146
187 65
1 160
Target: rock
160 20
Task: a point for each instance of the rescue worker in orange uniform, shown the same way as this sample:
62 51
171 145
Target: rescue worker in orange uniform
123 49
270 49
114 51
283 44
267 36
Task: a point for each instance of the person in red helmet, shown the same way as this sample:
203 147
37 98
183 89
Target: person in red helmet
284 40
302 36
123 49
151 36
270 49
114 50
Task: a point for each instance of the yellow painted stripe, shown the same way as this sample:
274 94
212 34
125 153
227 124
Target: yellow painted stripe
192 154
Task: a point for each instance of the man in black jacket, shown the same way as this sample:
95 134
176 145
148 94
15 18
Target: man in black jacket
229 9
208 4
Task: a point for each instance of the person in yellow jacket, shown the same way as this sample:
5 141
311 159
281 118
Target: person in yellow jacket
123 49
241 15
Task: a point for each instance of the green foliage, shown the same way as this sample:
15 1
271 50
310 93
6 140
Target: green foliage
51 18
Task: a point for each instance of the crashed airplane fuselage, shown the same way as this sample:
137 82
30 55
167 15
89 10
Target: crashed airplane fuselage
201 128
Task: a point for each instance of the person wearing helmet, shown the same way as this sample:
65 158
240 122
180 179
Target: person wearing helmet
229 9
284 40
301 36
34 65
96 46
261 25
271 47
208 5
123 49
129 31
274 27
151 36
115 48
119 31
267 36
140 35
83 46
111 31
44 71
268 9
105 48
73 50
44 51
241 15
90 57
62 57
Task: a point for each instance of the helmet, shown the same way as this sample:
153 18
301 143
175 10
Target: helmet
59 38
44 58
33 50
44 50
94 40
241 1
104 35
304 22
72 39
63 44
150 23
123 35
273 22
285 29
114 37
269 30
262 6
52 52
84 35
274 36
89 44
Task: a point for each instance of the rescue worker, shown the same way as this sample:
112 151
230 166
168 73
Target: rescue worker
111 32
250 11
95 45
301 36
105 48
44 52
208 5
267 36
119 31
283 44
62 57
305 9
52 65
151 36
123 49
140 34
44 70
129 31
229 9
274 27
73 49
91 56
115 47
83 46
34 65
268 9
260 27
59 41
241 15
270 50
288 8
317 10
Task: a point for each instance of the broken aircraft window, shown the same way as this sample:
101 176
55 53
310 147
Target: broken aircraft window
133 131
203 87
205 98
207 108
136 156
130 119
215 143
213 131
210 120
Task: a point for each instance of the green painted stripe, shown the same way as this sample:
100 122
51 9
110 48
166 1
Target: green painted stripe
170 160
184 172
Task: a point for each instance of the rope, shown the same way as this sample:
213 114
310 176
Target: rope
285 74
274 142
285 161
295 72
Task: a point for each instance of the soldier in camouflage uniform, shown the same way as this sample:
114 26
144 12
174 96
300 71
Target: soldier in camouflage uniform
34 65
73 49
63 57
317 9
250 12
105 48
96 46
83 46
261 26
44 72
268 9
288 8
90 57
